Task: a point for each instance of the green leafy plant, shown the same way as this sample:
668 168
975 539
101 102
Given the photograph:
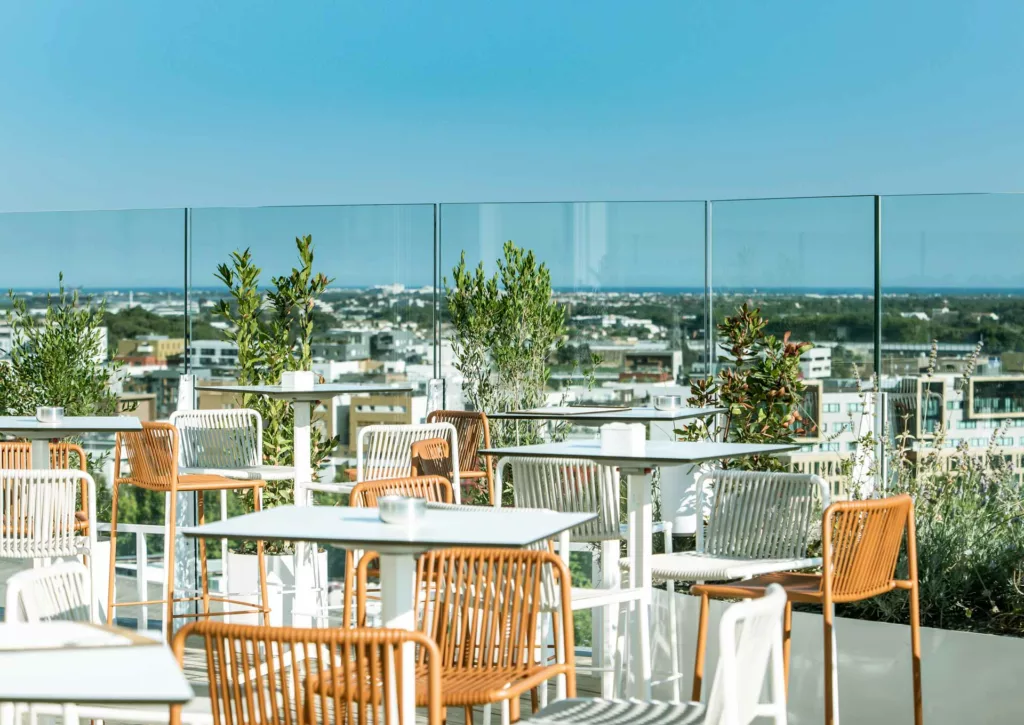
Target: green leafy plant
59 359
969 516
504 328
761 390
273 338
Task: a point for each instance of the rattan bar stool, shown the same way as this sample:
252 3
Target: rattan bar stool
152 455
482 607
861 542
246 686
473 432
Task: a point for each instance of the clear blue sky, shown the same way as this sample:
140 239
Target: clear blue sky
115 105
119 104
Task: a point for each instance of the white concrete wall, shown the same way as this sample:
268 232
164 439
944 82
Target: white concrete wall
967 678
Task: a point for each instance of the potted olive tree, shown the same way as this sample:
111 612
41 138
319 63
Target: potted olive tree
273 337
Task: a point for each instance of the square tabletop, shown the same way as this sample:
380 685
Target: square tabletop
319 391
654 453
594 416
362 528
57 662
26 426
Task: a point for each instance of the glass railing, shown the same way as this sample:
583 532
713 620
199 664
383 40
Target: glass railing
953 310
630 276
633 277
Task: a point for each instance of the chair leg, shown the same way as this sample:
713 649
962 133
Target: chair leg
468 709
513 709
915 653
642 688
676 655
702 640
113 553
831 710
261 561
172 516
787 633
203 571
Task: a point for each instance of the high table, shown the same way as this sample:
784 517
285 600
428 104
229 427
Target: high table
677 484
637 469
302 400
40 434
361 528
80 663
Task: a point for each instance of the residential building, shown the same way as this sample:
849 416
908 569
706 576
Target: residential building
214 354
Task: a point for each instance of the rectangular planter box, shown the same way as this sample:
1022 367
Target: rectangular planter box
966 678
243 576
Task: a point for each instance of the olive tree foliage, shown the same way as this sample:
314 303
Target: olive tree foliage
57 359
503 329
274 336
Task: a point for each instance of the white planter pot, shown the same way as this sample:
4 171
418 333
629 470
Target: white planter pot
966 677
243 584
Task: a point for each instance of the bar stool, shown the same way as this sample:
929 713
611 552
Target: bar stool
152 455
861 542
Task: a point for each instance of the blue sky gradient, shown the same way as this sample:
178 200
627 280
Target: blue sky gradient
112 104
119 105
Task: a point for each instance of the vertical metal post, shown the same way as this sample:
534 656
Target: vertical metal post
436 316
709 324
880 400
186 550
878 288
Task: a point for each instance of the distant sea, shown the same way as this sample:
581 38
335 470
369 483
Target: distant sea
787 290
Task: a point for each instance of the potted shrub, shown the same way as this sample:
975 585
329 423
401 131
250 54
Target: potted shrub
273 338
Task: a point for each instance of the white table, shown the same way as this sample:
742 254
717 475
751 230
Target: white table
302 400
360 528
611 415
637 469
678 485
75 662
40 434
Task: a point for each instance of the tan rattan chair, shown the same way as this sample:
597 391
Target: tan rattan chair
16 455
431 457
271 675
482 607
153 465
436 489
859 562
474 432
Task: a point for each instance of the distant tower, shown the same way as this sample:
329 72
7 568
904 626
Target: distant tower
131 298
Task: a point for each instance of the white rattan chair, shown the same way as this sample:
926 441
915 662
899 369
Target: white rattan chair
62 592
38 516
225 443
759 523
572 485
750 651
385 451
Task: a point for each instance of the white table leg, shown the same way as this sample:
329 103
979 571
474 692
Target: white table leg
398 607
307 597
41 453
639 517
